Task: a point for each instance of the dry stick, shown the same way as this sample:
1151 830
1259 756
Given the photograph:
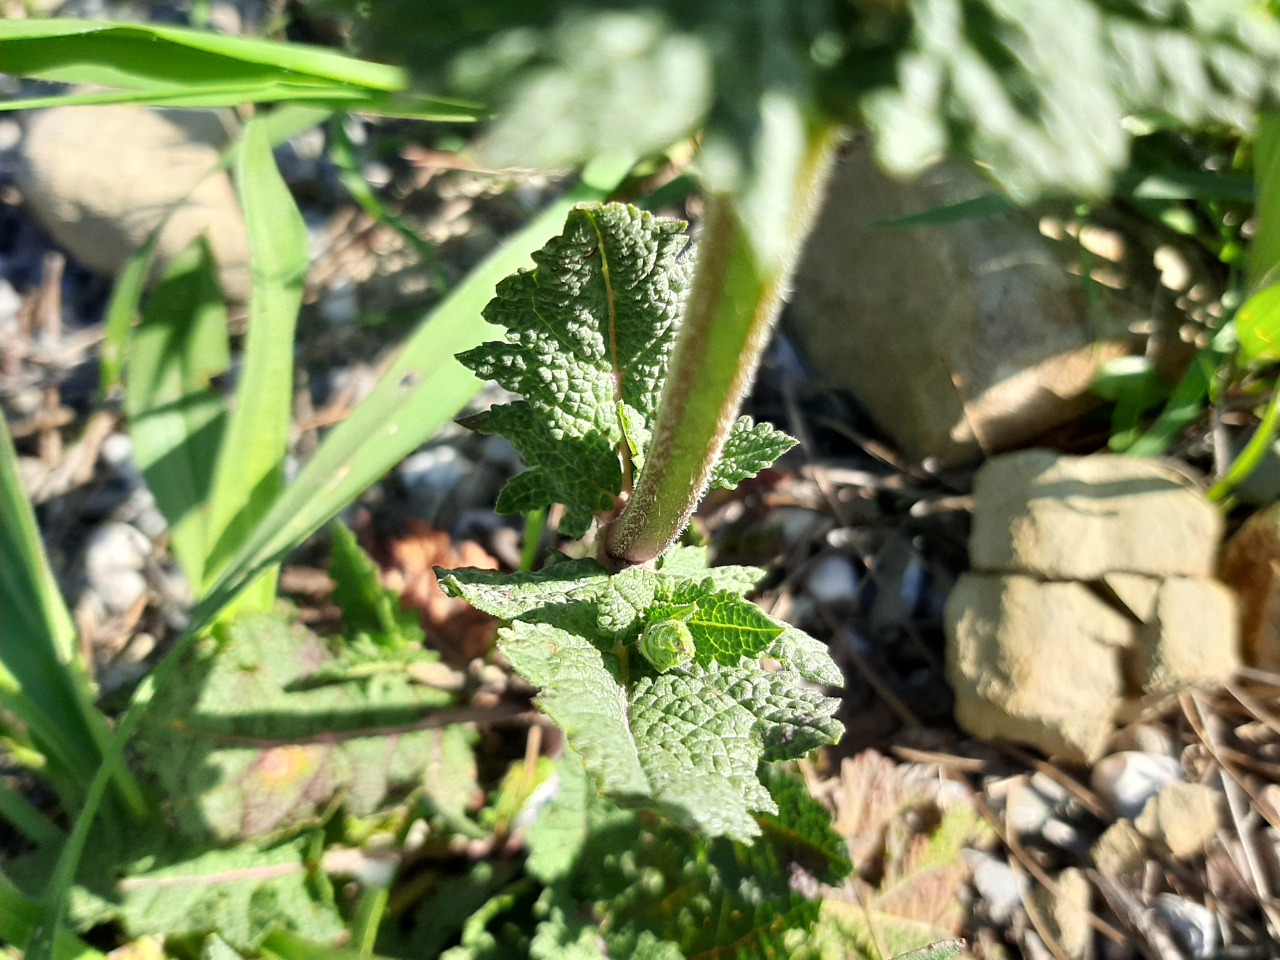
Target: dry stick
1234 786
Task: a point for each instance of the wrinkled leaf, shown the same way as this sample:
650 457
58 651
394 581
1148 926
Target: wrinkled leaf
368 608
659 891
750 448
588 334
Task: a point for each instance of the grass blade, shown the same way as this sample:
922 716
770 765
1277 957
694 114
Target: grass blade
250 470
20 919
176 419
41 679
179 66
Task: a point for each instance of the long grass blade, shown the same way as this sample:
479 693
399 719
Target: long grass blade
41 679
175 66
250 470
176 418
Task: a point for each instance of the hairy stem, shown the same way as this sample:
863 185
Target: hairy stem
735 299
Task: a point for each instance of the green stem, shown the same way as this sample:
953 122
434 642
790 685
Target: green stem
1252 454
735 299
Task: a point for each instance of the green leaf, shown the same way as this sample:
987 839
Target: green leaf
250 470
1258 327
687 744
750 448
176 418
588 329
690 563
510 596
1038 94
242 748
368 608
724 627
807 656
659 891
173 888
421 391
173 66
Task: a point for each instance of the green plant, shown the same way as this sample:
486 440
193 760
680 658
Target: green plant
768 87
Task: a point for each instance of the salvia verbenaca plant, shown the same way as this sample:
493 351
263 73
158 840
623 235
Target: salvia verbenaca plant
671 686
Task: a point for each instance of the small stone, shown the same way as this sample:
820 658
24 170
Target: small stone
114 560
1192 923
1010 684
1182 816
10 302
1065 915
1251 565
1081 518
832 580
1127 780
1195 639
1120 851
997 885
434 473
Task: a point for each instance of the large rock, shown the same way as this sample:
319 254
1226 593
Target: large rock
1034 662
1251 564
1082 518
101 178
961 338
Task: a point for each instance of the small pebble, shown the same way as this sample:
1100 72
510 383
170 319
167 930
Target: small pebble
832 580
10 302
340 304
997 885
10 133
113 561
432 474
1191 923
1127 780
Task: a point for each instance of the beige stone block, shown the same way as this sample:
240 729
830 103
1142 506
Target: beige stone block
1035 662
1082 518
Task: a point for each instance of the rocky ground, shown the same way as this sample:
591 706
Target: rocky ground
1138 820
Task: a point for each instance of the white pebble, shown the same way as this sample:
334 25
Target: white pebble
1127 780
832 580
1192 923
997 885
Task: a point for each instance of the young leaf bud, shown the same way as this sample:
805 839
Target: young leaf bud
667 644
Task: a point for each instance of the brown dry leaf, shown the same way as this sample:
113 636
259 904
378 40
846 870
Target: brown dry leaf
905 835
461 632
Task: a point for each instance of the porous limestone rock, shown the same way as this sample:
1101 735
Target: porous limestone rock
1251 564
1182 816
1120 852
1036 662
1091 598
1192 640
959 338
1081 518
101 178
